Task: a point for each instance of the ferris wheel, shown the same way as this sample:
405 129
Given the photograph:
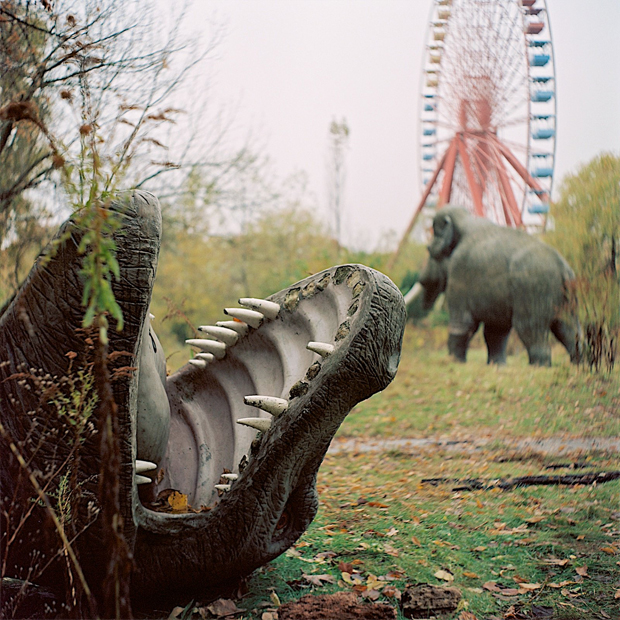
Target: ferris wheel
488 110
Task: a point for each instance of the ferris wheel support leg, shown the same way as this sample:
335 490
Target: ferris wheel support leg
509 202
474 188
520 169
418 210
446 187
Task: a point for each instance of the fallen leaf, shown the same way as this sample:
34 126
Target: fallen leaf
176 613
372 583
444 574
275 599
319 580
223 607
178 501
390 550
537 519
392 592
479 548
529 586
415 541
581 536
470 575
392 532
510 591
345 567
373 595
267 615
325 555
582 570
467 615
617 594
491 586
556 561
609 550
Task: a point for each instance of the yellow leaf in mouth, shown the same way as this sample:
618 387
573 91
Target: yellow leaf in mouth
178 501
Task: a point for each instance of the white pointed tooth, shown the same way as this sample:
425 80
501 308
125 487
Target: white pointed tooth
269 308
227 336
251 317
205 357
237 326
260 424
143 480
223 487
142 466
270 404
198 363
208 346
230 476
322 348
151 316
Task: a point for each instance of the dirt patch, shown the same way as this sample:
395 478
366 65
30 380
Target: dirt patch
426 601
342 605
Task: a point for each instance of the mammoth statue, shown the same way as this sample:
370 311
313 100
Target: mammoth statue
240 431
503 278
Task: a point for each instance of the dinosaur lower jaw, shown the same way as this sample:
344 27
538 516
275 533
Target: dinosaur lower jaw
255 488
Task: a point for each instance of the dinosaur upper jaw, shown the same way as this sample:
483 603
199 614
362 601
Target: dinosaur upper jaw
354 316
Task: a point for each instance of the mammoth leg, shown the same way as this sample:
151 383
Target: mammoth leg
568 336
537 344
458 341
496 339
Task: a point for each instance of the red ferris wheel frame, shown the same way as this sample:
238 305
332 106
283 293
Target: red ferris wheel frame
487 163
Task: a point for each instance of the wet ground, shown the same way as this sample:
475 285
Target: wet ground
556 446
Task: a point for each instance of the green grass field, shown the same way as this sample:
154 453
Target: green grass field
527 550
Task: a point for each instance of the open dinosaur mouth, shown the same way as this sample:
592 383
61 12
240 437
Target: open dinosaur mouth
245 380
251 417
240 431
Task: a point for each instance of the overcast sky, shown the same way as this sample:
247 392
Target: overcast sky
291 66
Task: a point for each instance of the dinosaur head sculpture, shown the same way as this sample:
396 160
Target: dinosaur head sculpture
241 430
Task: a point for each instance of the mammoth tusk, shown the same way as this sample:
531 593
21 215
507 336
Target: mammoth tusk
198 363
229 476
206 357
222 487
143 480
270 404
269 308
416 290
260 424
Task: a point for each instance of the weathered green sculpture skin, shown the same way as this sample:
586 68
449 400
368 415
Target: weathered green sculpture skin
500 277
193 438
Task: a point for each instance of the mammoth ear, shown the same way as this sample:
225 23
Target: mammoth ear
444 237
